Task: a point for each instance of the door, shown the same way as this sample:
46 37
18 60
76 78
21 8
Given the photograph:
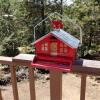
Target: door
53 48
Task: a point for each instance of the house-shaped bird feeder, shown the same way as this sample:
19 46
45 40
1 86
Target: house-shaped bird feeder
56 50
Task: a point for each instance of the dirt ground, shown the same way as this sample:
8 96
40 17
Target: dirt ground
71 89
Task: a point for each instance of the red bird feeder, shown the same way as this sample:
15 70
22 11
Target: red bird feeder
56 50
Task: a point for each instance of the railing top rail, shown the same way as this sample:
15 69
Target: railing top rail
80 66
5 60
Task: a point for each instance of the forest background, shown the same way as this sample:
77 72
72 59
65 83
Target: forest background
18 18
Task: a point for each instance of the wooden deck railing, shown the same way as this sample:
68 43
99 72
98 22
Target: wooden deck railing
84 67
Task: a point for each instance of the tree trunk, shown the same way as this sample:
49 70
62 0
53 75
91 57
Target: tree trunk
90 40
43 16
61 7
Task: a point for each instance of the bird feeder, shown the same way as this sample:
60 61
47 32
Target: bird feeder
56 50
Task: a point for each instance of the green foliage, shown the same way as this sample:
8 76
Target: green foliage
14 30
87 14
10 48
18 18
7 26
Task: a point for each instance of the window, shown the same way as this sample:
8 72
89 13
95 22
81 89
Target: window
44 46
53 48
63 48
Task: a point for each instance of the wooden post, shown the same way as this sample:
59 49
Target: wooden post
55 85
14 82
0 95
32 83
83 86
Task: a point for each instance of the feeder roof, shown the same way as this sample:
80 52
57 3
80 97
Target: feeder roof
62 36
66 38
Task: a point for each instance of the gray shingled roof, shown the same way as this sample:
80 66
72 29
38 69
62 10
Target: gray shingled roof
66 38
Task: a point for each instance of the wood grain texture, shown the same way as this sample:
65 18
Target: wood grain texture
23 59
0 95
82 66
14 82
5 60
83 87
91 67
55 85
32 83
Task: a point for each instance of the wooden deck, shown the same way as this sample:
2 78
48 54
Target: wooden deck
82 66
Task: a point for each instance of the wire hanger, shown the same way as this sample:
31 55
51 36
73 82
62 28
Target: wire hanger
64 18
